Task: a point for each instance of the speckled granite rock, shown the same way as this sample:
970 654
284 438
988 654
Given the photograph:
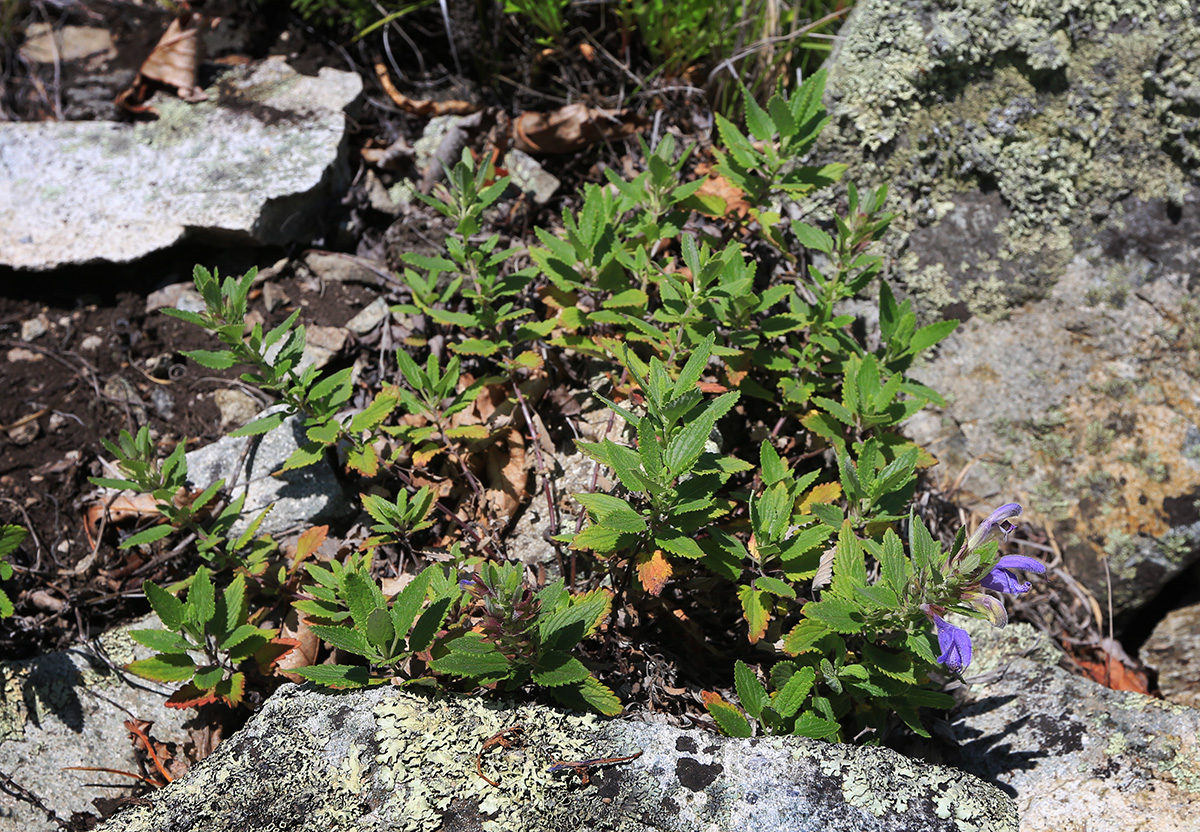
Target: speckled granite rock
1075 756
249 165
386 759
1042 160
68 709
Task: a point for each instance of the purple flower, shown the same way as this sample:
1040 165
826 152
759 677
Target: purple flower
997 521
1001 578
954 643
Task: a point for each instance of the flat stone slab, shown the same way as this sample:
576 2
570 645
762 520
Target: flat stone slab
247 166
388 759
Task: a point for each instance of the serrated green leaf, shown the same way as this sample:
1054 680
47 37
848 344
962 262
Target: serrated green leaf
774 586
685 447
567 626
879 596
260 426
343 638
804 636
492 666
166 606
750 691
893 564
307 454
206 678
408 601
555 668
241 634
678 543
789 698
809 724
337 675
729 719
849 562
201 603
774 469
171 667
161 640
360 598
428 624
839 614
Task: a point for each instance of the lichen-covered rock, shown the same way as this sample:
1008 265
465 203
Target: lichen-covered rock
1042 160
250 165
68 709
387 759
1075 756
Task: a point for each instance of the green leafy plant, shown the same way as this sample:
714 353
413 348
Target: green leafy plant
672 475
165 481
528 636
206 641
385 633
277 367
10 538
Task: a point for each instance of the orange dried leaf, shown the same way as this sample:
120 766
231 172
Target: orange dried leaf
270 653
420 108
653 570
309 543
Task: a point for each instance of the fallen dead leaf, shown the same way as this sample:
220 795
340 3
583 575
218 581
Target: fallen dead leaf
174 62
572 128
507 475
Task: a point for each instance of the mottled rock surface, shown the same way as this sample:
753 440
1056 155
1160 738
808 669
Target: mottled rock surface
1041 158
68 709
301 496
386 759
1074 755
1173 650
248 166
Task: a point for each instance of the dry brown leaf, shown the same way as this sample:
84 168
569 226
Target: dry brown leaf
572 128
507 475
826 492
174 62
304 654
420 108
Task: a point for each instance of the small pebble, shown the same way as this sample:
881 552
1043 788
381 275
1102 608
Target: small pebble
91 343
34 328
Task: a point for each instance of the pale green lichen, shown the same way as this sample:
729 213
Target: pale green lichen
1044 103
1117 744
428 751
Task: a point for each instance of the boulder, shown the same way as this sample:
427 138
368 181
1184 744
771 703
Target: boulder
68 709
252 165
1040 157
1173 651
389 759
1074 755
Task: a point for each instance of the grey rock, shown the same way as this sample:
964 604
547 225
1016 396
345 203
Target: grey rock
301 496
250 165
388 759
1075 756
528 175
1041 160
369 317
68 709
1173 650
